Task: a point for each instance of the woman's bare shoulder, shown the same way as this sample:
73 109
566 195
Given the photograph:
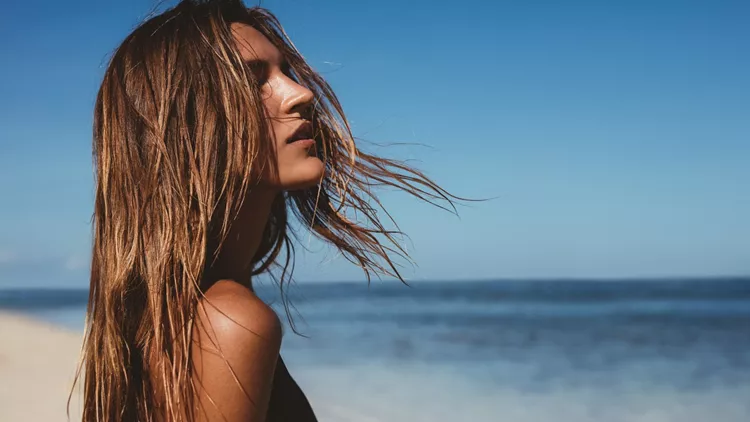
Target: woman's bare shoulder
233 309
237 346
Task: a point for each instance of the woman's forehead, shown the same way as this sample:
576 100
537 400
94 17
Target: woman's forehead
253 45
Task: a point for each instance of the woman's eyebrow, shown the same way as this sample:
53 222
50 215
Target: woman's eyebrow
266 62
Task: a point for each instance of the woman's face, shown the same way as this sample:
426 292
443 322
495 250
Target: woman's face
288 106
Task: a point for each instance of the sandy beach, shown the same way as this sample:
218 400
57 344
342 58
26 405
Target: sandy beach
38 361
37 368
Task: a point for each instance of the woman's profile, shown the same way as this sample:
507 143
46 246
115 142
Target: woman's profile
211 133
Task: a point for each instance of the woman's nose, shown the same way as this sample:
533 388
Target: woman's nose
298 100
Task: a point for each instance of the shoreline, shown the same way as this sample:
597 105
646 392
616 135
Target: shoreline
38 362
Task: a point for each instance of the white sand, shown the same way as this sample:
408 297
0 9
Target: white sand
37 368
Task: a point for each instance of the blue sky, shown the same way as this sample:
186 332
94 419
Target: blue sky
614 135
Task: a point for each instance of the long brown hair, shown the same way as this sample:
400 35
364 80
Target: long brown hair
178 139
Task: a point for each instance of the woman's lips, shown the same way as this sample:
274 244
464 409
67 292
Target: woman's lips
303 143
303 133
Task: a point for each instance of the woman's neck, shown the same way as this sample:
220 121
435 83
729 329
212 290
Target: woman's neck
235 261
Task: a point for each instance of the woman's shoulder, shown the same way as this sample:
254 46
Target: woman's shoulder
236 347
235 311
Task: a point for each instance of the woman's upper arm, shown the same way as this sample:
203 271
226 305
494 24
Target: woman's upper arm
237 341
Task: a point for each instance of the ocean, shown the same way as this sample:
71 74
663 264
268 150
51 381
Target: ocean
558 350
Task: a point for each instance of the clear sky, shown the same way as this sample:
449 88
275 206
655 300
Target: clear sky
614 134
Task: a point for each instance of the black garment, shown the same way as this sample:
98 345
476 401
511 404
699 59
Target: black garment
288 403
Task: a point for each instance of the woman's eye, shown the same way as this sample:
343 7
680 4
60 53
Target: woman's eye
287 70
260 70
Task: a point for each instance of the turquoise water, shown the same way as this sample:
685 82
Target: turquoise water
659 350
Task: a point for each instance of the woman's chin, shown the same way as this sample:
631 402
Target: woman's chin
304 175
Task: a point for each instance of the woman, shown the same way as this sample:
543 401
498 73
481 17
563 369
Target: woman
209 129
